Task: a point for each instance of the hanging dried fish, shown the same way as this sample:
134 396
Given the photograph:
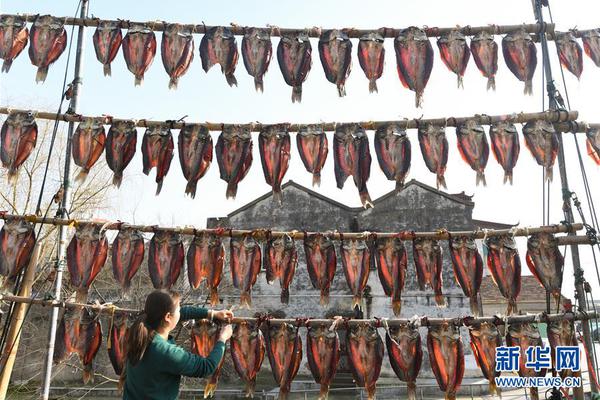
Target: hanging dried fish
591 44
593 144
505 266
256 53
17 140
244 259
107 41
205 335
67 335
205 258
218 46
569 52
14 36
121 143
468 268
485 339
525 335
473 147
321 263
177 51
403 344
414 56
195 154
274 146
485 55
434 148
371 54
520 56
313 148
542 141
365 354
165 259
323 353
88 343
546 263
247 353
234 156
116 343
505 147
392 262
284 348
139 49
281 259
352 157
127 256
356 263
48 42
428 263
446 357
17 239
393 150
157 151
88 145
335 51
294 58
455 53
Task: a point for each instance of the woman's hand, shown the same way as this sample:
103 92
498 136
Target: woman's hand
226 333
223 315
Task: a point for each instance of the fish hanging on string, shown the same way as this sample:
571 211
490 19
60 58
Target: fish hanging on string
520 56
244 262
205 258
546 263
562 333
569 52
455 53
17 240
256 53
139 49
371 55
542 141
485 55
505 147
321 263
335 51
177 51
591 44
117 342
86 255
294 54
356 264
87 144
468 268
434 148
281 259
446 356
18 138
414 56
473 148
526 335
393 150
392 262
234 156
313 148
157 152
323 354
127 256
403 343
352 157
195 148
14 36
365 355
107 41
165 259
284 348
247 353
121 143
48 41
205 334
218 46
505 266
593 144
274 147
485 339
67 335
428 263
88 343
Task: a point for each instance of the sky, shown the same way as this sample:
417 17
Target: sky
207 97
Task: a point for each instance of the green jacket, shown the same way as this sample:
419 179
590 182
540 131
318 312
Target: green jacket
158 374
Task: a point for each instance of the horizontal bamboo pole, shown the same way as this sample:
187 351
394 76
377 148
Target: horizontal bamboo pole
159 26
577 240
552 116
263 233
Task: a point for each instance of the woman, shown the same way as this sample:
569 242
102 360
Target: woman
154 363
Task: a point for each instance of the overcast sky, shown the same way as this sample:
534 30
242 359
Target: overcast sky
207 97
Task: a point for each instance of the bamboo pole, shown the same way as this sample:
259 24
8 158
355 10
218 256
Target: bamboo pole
552 116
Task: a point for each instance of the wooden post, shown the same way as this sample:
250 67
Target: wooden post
11 345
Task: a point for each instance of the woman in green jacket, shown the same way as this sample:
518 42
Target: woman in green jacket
154 363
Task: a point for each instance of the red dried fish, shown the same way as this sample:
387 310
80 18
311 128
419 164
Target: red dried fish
234 156
371 54
127 256
505 147
107 41
281 259
17 140
546 262
139 49
205 335
177 51
165 259
86 255
14 36
393 150
335 51
244 259
428 263
157 151
446 357
321 263
67 335
485 55
392 262
562 333
218 46
116 343
505 266
121 142
403 344
88 145
525 335
593 144
365 354
256 53
542 141
195 147
247 353
569 52
48 41
520 56
591 44
294 58
473 147
17 239
356 263
468 268
352 157
205 258
88 343
434 148
414 56
274 148
313 148
323 354
485 338
284 348
455 53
